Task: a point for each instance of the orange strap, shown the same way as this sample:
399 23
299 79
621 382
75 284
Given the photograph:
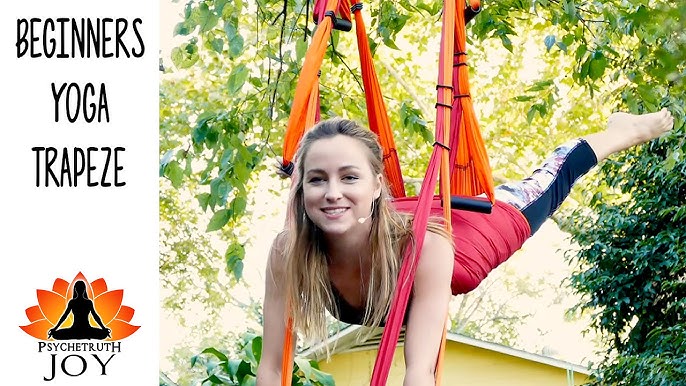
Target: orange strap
306 91
471 174
446 118
377 113
304 114
441 355
287 355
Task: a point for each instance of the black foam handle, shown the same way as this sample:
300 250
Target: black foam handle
470 13
472 204
343 25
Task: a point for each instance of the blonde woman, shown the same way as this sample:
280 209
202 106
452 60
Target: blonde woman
342 248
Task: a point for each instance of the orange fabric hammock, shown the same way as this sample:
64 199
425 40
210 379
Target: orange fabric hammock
463 171
471 174
306 93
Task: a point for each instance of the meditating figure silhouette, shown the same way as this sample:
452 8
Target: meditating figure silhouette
81 307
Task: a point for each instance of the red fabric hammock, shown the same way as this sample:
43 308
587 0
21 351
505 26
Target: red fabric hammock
464 170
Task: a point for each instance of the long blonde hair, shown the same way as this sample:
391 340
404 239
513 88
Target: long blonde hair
309 289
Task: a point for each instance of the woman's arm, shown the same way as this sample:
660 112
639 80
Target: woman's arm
274 311
428 310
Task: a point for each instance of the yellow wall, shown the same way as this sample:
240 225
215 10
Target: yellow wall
464 366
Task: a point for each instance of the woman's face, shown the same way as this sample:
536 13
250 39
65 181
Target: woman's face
339 185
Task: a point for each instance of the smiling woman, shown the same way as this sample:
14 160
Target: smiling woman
339 187
342 248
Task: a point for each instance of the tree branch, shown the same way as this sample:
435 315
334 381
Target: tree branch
425 110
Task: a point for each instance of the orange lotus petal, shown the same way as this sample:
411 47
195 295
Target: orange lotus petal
52 304
121 330
99 287
34 313
107 305
125 314
60 286
38 330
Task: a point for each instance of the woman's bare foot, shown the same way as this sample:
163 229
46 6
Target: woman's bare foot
641 128
625 130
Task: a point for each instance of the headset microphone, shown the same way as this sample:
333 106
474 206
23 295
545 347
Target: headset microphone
361 220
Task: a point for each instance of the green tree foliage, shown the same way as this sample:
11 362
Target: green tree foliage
633 254
242 371
632 240
244 57
634 259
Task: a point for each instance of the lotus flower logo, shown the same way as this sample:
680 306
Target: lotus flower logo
66 312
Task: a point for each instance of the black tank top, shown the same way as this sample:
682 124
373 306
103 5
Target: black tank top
352 315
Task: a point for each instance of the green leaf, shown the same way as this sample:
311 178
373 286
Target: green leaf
583 71
174 172
597 65
580 51
234 259
236 46
249 380
244 370
185 56
242 171
233 366
390 43
300 49
253 350
218 220
570 8
257 348
200 132
194 360
304 366
166 158
227 158
220 189
208 19
211 137
236 41
507 43
214 379
218 45
238 205
237 78
540 85
530 114
182 29
216 353
323 378
203 200
219 6
549 42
